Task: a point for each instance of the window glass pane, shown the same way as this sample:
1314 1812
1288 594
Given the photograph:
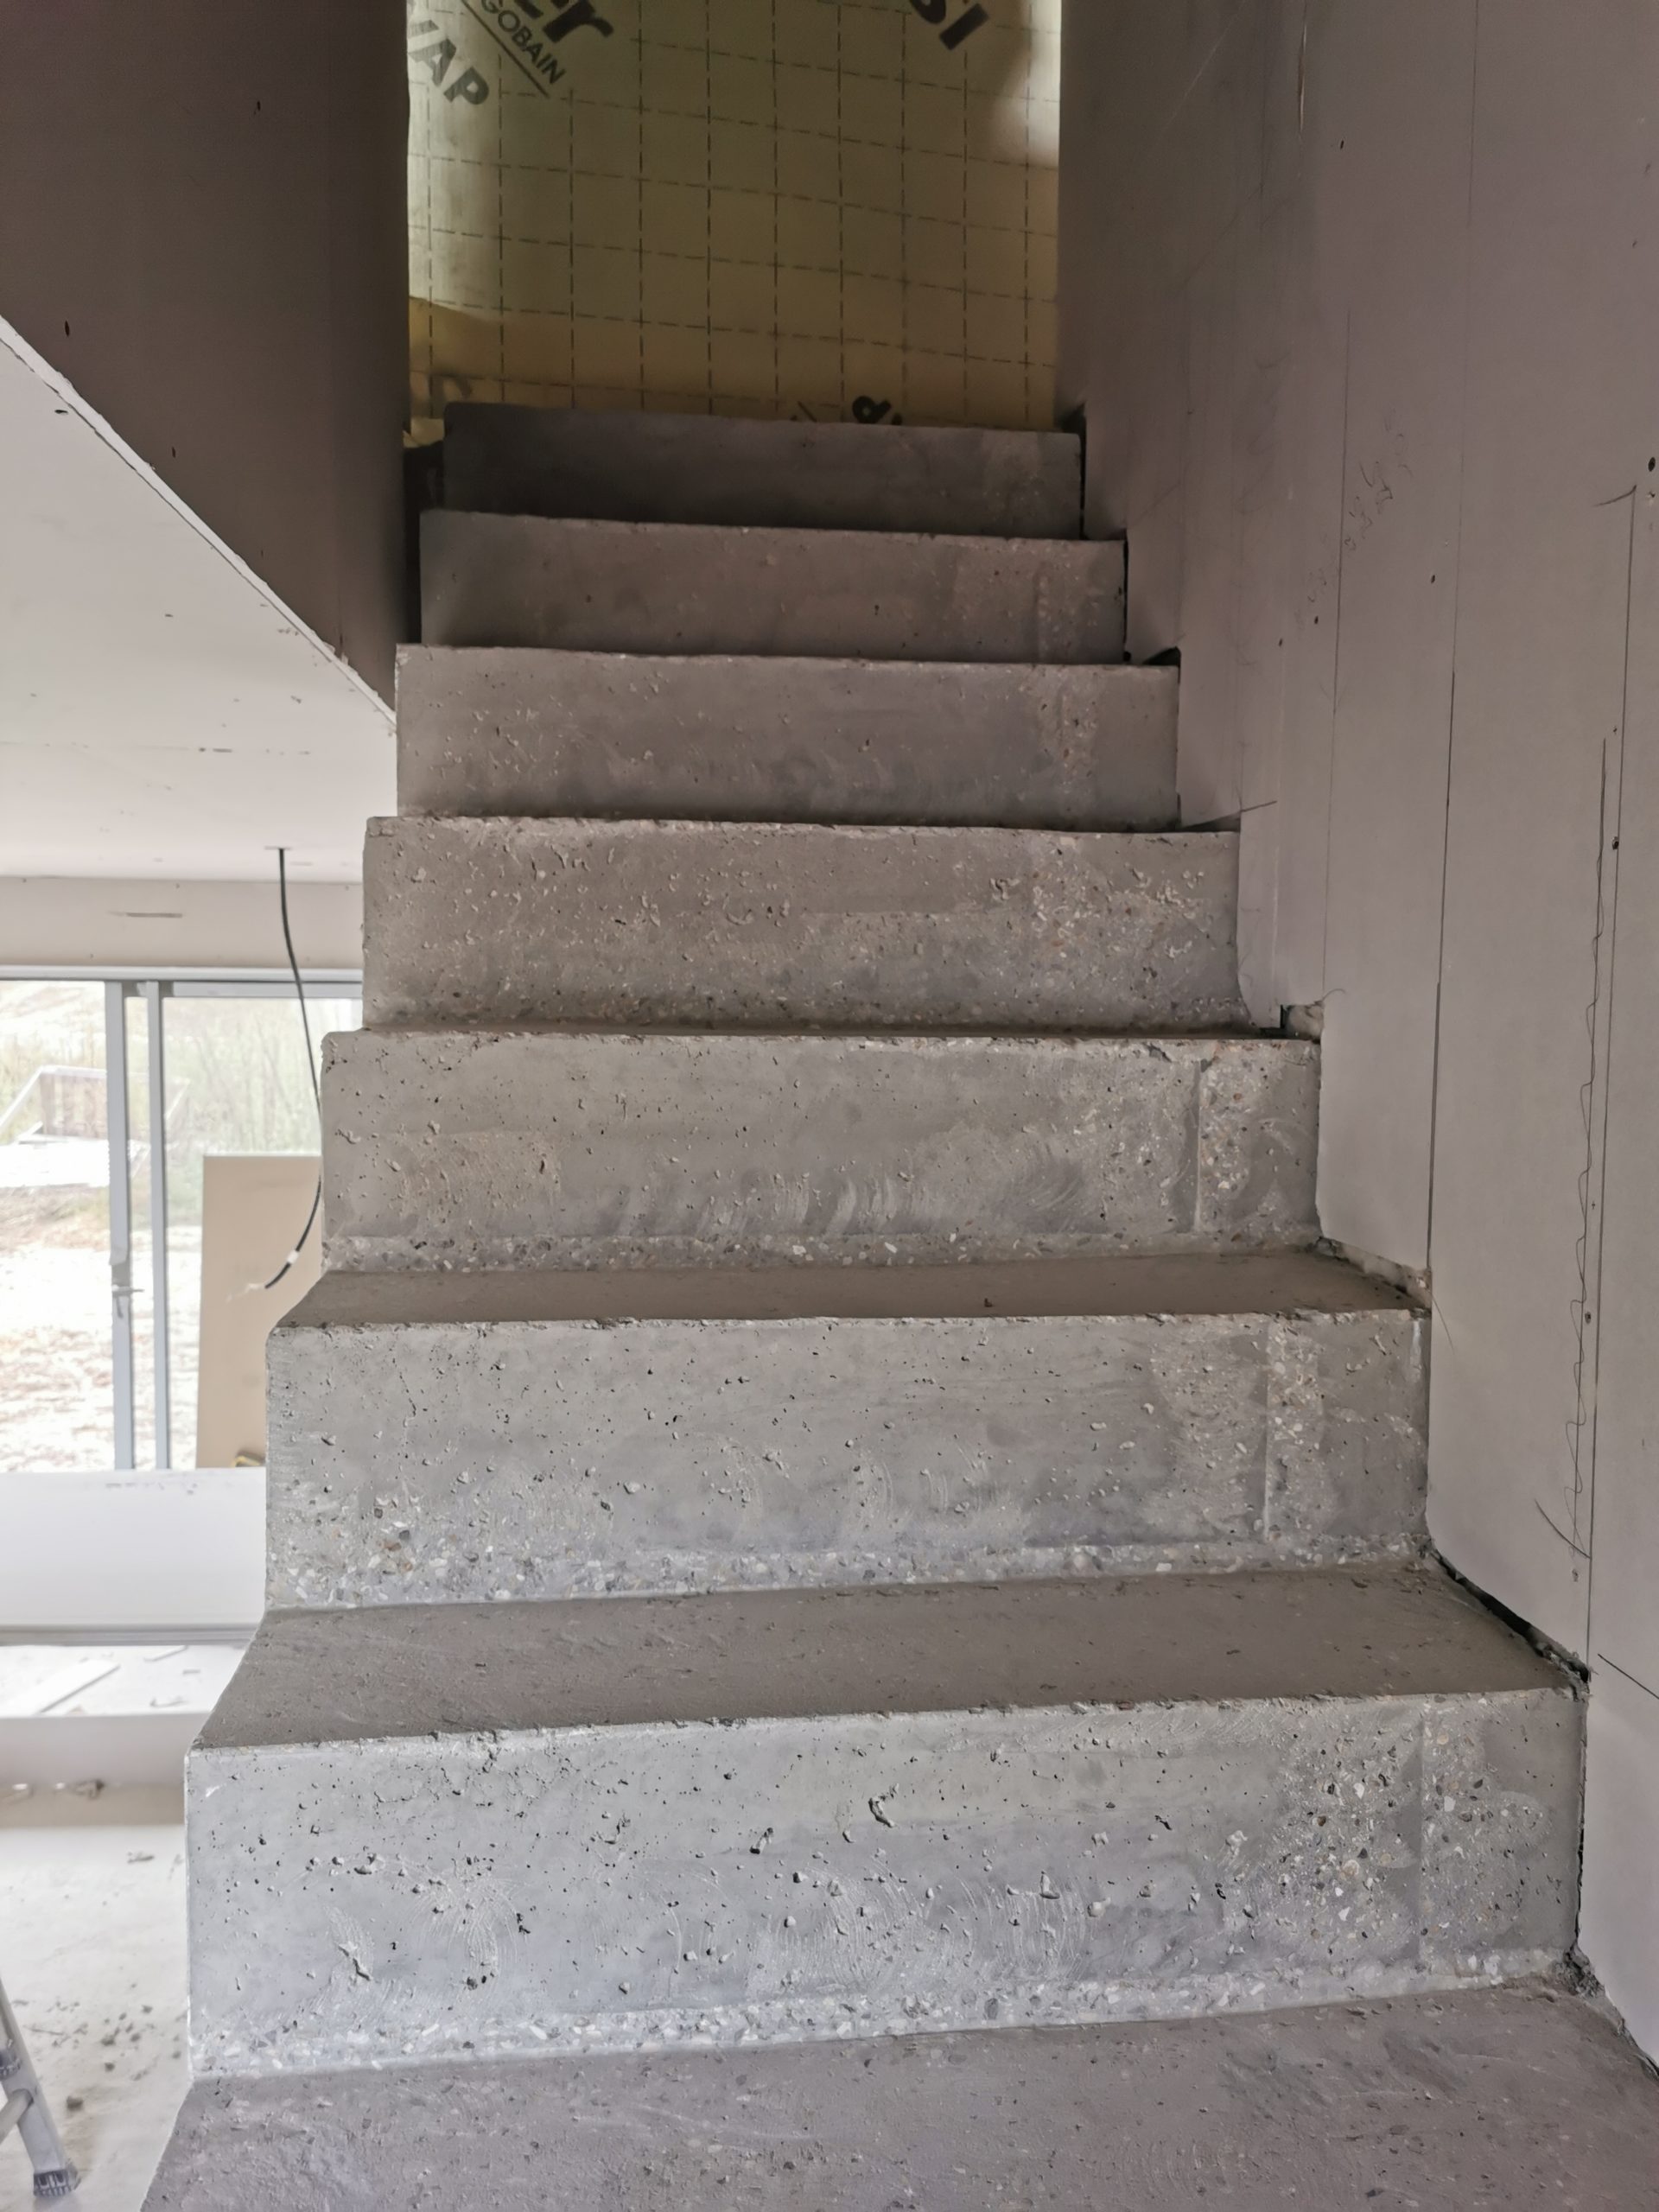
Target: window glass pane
55 1404
236 1085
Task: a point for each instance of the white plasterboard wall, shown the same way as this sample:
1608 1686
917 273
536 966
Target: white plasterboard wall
151 925
202 226
135 1554
1365 302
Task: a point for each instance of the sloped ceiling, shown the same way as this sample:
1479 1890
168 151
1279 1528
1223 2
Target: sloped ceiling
161 713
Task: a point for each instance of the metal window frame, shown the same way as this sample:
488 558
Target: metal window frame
152 987
116 1122
161 1309
197 982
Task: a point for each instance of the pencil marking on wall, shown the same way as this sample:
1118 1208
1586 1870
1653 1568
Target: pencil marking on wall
1336 650
1607 862
1602 1659
1592 1104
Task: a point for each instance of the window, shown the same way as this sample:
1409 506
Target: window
109 1182
56 1403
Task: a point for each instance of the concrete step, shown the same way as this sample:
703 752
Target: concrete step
682 587
750 924
712 738
432 1831
632 467
455 1149
444 1437
1483 2099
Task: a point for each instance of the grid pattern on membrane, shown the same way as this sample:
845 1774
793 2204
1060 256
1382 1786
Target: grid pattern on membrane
775 207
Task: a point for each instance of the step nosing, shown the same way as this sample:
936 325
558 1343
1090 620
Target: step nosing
778 667
1141 1040
1199 1290
1250 1638
809 535
482 1730
486 828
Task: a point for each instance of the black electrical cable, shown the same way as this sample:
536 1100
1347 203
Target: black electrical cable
310 1060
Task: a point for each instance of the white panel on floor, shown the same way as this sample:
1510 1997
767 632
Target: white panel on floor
173 1553
112 1717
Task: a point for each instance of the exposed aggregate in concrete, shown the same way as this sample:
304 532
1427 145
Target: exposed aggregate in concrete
611 1888
538 1460
560 1148
744 925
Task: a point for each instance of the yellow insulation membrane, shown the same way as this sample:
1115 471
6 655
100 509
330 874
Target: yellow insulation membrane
809 208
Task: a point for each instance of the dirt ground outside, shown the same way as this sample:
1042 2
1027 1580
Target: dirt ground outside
56 1345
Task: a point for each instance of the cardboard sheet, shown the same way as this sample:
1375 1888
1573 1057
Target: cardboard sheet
252 1207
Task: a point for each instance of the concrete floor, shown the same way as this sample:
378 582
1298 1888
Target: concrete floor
91 1953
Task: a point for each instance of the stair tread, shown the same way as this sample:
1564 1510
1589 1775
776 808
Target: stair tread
1483 2100
629 465
775 542
489 832
1167 1043
1182 1283
395 1671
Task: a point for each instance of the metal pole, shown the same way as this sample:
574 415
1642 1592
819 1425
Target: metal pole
25 2109
115 1101
158 1221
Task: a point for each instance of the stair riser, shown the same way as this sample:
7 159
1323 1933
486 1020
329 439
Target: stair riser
628 588
610 1889
749 926
690 468
470 1150
540 1460
715 739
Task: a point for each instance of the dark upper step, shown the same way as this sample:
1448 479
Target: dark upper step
715 737
692 587
630 467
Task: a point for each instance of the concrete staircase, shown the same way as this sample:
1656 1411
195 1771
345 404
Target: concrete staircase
827 1491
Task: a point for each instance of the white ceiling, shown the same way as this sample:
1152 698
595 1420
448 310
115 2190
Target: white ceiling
161 714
